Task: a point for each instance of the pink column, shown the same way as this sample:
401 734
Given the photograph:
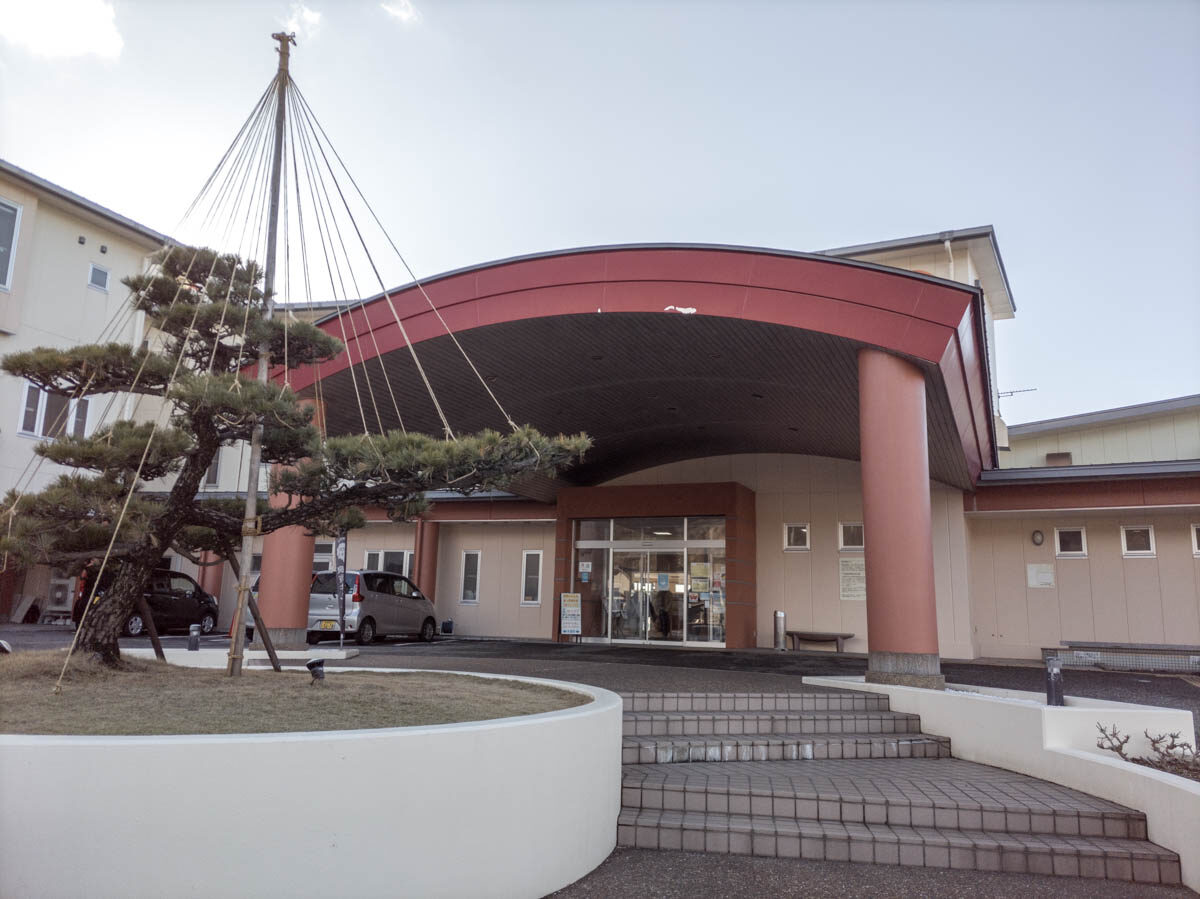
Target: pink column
211 575
287 560
286 576
425 557
901 607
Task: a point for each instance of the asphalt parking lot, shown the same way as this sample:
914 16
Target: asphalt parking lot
700 670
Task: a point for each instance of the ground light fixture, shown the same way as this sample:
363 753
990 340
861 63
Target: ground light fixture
317 668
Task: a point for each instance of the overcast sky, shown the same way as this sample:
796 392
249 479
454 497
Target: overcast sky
484 130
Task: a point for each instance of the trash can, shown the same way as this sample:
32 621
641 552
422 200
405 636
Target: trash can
780 630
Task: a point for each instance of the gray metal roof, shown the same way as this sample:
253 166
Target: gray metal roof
39 183
980 232
1119 470
341 306
1106 416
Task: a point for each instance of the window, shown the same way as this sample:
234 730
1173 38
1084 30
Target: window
795 537
1196 540
51 415
10 224
1137 541
470 576
323 556
98 278
210 476
531 577
255 562
1058 460
397 561
850 536
1070 543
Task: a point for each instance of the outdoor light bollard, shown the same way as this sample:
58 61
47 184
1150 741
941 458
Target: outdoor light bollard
317 667
1054 681
780 630
193 637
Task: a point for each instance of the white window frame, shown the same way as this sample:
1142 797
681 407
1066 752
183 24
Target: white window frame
1138 554
787 547
525 554
1082 554
408 560
329 557
842 547
107 278
462 576
6 276
39 424
1196 539
212 474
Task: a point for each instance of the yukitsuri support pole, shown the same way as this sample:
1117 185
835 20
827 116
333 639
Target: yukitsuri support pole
250 526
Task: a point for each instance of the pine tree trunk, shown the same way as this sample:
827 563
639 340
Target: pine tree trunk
105 620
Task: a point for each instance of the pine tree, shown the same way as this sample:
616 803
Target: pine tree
207 312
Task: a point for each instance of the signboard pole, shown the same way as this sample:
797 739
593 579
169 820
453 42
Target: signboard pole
339 556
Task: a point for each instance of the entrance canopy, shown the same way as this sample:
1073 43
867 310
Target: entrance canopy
667 352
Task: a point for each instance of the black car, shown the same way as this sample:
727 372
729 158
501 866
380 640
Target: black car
176 601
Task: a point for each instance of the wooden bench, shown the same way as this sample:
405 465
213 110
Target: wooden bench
819 637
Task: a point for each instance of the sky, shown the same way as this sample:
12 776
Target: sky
481 130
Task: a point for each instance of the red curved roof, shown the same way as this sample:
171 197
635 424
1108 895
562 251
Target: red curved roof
526 308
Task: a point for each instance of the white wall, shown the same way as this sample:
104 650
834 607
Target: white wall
514 807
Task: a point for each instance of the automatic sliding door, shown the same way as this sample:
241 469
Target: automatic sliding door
665 578
629 596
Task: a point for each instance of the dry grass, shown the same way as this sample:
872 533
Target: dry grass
153 698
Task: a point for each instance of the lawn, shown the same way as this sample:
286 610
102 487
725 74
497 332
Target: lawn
153 698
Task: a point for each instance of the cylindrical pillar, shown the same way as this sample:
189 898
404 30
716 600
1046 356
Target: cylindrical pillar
902 639
211 574
287 564
425 562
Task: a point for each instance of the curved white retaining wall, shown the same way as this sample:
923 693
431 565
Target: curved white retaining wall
511 807
1016 730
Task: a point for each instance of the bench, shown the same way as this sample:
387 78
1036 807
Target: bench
819 637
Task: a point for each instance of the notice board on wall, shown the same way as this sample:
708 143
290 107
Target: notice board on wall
852 578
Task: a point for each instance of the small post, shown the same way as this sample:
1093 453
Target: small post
1054 681
780 631
193 638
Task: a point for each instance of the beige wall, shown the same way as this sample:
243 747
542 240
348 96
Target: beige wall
499 611
51 304
822 492
1103 597
1161 438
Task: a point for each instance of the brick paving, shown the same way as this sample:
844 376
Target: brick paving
708 773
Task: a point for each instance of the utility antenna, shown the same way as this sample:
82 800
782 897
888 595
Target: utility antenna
250 523
1004 393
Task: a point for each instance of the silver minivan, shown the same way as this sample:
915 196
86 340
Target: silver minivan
378 604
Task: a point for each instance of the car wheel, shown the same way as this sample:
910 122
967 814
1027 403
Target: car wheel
134 625
366 632
312 639
207 623
428 629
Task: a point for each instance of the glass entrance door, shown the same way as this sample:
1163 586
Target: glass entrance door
651 580
648 590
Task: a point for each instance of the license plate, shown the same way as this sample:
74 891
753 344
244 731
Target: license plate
329 625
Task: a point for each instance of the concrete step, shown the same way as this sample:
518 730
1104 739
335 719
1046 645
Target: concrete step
662 750
833 701
703 724
940 793
1023 853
